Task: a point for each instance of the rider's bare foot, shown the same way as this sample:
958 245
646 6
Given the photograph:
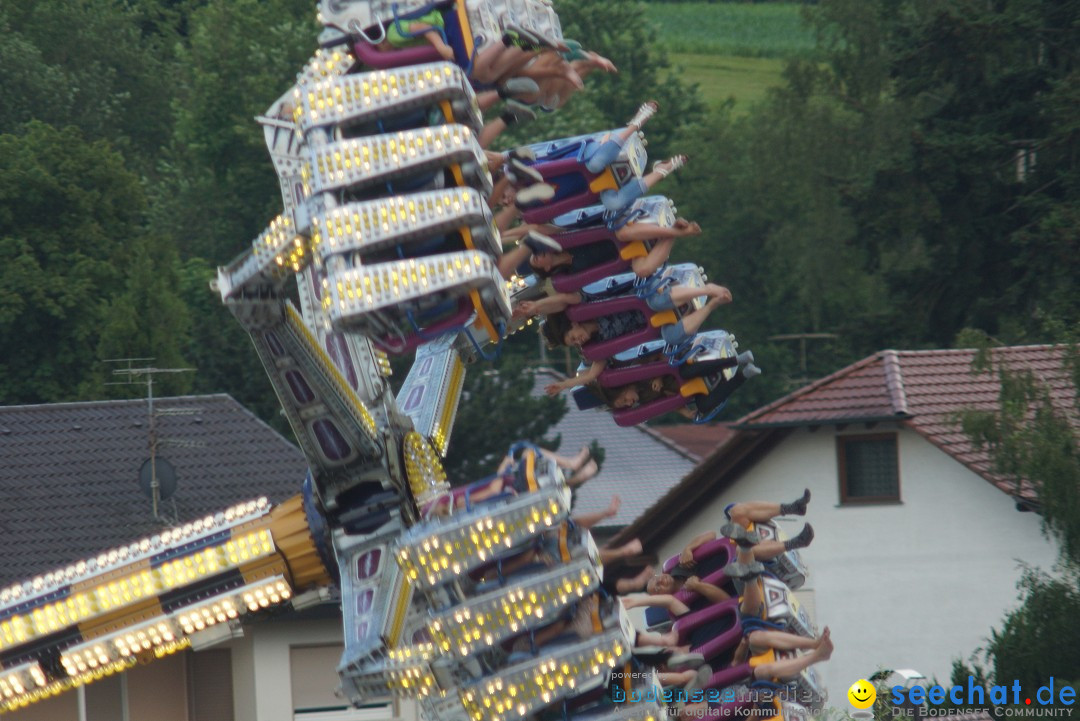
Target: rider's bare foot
584 473
577 461
825 650
613 507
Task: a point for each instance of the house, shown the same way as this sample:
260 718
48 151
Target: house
918 541
70 488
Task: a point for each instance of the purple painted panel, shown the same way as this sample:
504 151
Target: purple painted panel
416 396
333 444
299 386
339 353
368 564
276 346
364 601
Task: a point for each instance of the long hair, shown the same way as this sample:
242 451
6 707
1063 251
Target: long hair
554 329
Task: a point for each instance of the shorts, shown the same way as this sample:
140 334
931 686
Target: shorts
396 36
660 300
674 333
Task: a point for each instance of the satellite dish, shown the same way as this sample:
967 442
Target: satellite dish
166 478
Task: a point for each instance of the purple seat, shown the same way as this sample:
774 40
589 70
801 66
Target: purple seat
377 59
706 551
397 346
718 613
627 417
569 282
601 350
615 377
457 31
552 171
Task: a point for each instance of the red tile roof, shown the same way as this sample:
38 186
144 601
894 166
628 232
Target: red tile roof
697 441
924 390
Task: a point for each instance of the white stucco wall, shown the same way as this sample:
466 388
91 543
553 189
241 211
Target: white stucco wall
262 681
909 585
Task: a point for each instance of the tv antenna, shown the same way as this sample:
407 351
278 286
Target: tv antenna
157 477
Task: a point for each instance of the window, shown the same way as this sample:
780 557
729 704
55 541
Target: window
210 685
869 469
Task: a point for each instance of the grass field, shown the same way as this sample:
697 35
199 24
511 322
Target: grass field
769 30
722 76
731 49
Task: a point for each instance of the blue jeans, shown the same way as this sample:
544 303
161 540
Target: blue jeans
616 200
604 155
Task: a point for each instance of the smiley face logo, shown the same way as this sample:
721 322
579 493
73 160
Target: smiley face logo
862 694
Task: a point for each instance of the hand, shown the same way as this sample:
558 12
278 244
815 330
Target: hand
691 583
657 384
686 558
601 62
554 389
718 293
525 309
613 507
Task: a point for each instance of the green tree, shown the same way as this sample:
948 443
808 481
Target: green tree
220 189
1033 438
875 195
68 210
99 65
496 410
149 318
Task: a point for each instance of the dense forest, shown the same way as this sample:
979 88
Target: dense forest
914 175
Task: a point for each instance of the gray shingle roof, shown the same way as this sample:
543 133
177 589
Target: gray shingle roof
69 473
640 465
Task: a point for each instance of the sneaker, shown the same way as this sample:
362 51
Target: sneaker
515 112
684 661
539 243
703 675
513 38
750 370
535 194
743 571
524 153
646 111
742 537
669 166
518 86
527 173
746 358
